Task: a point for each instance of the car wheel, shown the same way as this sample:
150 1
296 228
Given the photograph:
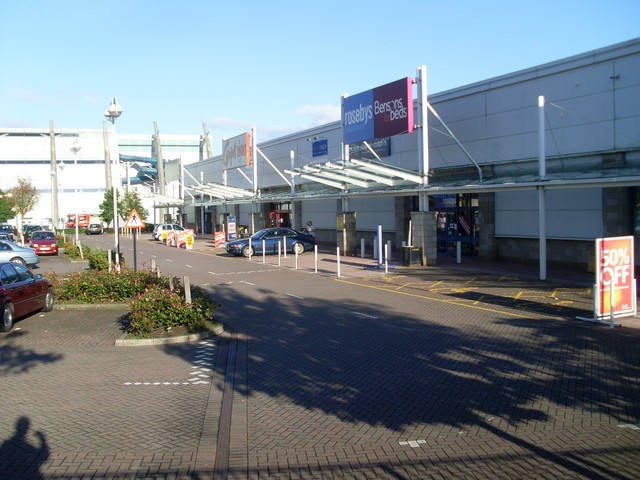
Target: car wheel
48 301
7 318
298 248
248 251
18 260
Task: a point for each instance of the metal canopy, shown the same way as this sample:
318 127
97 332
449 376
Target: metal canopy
358 173
361 178
224 192
164 201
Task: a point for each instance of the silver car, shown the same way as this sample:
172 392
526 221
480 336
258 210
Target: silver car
12 252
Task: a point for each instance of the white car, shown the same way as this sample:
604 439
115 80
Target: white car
166 227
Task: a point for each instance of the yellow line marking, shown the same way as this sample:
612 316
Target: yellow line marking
415 295
518 295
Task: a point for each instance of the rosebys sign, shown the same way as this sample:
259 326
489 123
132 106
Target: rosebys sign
236 151
616 292
382 112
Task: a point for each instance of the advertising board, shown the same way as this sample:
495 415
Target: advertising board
615 282
236 151
381 112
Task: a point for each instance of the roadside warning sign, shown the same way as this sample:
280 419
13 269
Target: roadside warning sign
134 220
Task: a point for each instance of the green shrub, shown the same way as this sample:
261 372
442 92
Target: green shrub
160 308
73 251
153 304
100 286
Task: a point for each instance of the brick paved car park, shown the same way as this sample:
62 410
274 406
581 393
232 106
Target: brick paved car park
439 374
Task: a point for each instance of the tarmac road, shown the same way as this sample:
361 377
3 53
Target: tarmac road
439 373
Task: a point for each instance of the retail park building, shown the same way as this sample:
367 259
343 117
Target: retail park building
549 152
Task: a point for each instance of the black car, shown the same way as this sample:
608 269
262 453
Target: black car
296 242
6 229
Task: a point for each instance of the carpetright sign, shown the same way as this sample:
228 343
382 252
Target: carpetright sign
382 112
615 287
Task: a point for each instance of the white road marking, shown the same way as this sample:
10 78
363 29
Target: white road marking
201 373
413 443
294 296
360 314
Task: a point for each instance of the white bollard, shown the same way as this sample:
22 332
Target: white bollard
264 251
315 260
458 252
386 258
338 258
362 248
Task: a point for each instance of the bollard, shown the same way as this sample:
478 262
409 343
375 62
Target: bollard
338 258
315 260
458 252
187 290
386 258
362 248
264 251
279 250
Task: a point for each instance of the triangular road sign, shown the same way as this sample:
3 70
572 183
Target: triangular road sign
134 220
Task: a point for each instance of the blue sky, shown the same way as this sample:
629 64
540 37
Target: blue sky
278 65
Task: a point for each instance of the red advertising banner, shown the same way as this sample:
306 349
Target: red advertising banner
615 277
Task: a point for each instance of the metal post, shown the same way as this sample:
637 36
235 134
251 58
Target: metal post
541 192
423 135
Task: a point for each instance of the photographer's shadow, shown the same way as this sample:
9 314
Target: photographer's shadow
19 458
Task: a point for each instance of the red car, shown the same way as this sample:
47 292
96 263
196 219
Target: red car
44 242
21 293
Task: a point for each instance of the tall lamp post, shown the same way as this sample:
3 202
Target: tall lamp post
113 112
75 148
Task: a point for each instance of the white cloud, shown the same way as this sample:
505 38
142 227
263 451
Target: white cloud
320 114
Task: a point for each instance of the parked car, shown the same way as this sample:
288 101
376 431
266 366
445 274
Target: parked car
44 242
6 229
4 236
12 252
94 229
27 230
166 227
296 242
21 293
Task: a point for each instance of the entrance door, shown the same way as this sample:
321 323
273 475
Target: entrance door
458 221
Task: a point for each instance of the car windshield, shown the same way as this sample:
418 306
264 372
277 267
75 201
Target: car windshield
44 236
259 234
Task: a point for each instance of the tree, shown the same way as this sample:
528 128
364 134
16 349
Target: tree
126 203
130 201
106 207
24 197
6 207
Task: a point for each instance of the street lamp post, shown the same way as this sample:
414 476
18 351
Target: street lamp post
75 148
61 189
113 112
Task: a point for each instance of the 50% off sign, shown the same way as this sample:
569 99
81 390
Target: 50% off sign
616 292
